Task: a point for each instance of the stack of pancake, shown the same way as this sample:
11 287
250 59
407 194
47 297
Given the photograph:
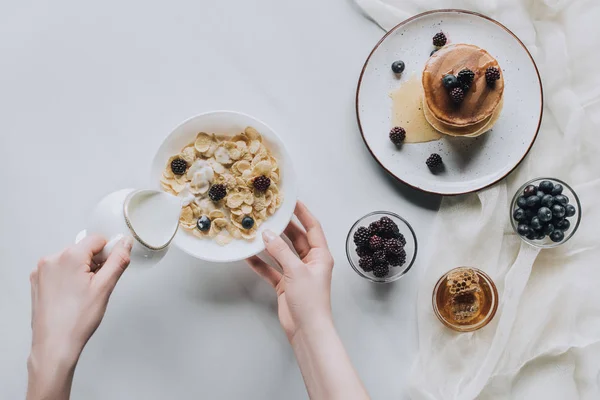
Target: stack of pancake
482 103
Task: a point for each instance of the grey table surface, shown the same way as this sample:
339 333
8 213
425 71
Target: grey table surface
88 90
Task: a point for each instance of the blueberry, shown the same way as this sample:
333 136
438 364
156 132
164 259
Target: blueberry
570 210
533 201
539 236
531 235
558 211
203 223
529 214
449 81
247 222
548 229
563 225
522 201
547 200
519 214
530 191
398 66
540 194
536 223
557 236
546 186
544 214
557 189
561 198
523 230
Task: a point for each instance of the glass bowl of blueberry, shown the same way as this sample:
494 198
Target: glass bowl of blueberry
381 247
545 212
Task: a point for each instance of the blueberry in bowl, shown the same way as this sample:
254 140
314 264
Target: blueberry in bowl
545 212
381 247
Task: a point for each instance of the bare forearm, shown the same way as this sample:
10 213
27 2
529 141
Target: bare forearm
327 370
50 376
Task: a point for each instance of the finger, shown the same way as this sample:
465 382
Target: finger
265 271
33 278
280 251
298 238
116 263
82 252
314 231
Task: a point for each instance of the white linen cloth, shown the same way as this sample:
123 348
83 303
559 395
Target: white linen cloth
544 342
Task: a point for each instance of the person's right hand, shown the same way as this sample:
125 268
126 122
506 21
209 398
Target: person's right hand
303 290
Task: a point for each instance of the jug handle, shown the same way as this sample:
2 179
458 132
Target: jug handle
101 257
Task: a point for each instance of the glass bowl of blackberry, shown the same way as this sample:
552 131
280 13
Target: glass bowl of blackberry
381 246
545 212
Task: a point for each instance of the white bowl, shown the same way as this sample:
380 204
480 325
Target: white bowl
229 123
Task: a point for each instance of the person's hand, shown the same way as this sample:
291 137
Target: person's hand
303 290
69 295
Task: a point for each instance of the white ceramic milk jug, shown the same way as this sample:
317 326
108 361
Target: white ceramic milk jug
151 217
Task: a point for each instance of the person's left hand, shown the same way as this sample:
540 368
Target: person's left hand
69 295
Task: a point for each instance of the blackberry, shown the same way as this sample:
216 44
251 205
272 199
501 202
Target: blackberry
381 270
397 135
386 226
439 39
379 256
366 263
261 183
457 95
217 192
392 246
376 243
465 86
401 239
362 251
466 76
374 228
492 74
434 161
179 166
361 236
396 260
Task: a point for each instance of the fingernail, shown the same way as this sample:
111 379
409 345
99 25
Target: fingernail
127 242
269 236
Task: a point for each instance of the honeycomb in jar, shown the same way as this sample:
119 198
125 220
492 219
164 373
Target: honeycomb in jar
464 300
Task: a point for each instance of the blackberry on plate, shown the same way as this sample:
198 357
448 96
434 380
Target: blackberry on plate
261 183
457 95
392 246
366 263
546 186
557 189
563 225
533 201
396 260
374 228
203 223
562 199
178 166
466 76
519 214
558 211
362 251
217 192
361 236
381 270
397 135
530 190
557 236
376 243
524 230
522 201
548 200
398 66
449 81
434 161
439 39
379 256
247 222
570 210
544 214
492 74
548 229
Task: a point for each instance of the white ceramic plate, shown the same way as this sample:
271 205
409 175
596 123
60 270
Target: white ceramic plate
470 163
229 123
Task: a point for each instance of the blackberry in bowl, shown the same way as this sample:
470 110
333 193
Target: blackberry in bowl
381 247
545 212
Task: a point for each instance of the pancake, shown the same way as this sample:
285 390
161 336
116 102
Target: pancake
468 131
481 100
